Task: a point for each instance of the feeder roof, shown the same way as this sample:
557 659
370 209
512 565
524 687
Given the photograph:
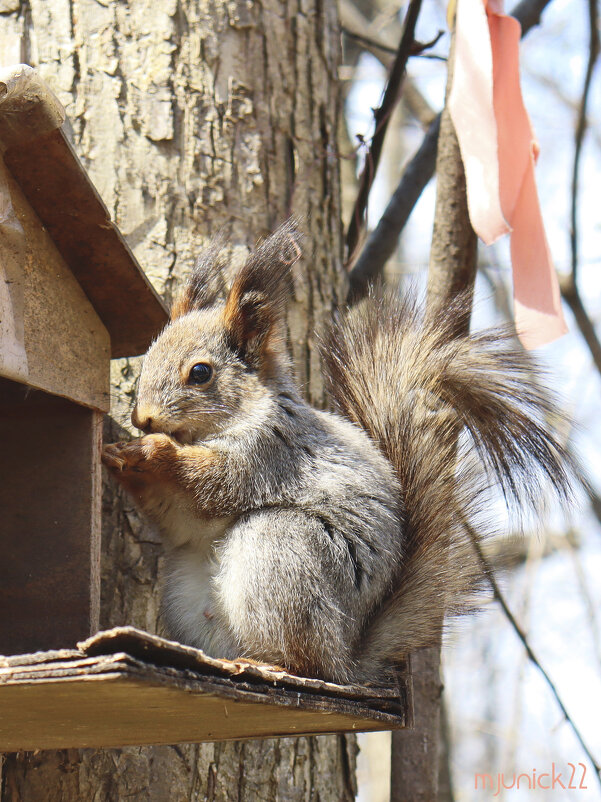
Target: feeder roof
37 151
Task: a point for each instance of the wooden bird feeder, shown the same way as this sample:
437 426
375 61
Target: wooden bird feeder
71 297
67 280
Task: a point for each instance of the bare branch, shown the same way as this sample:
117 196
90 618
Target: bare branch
568 284
374 44
381 119
454 250
524 640
354 21
383 46
528 13
383 241
369 41
581 127
570 294
419 170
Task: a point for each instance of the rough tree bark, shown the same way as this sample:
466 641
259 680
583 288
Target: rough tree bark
453 261
193 116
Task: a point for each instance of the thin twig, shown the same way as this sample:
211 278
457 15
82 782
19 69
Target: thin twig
419 47
383 241
568 284
528 13
419 171
368 40
570 294
581 127
416 51
381 119
525 643
385 45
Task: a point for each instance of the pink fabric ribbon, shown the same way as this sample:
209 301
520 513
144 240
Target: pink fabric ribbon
499 153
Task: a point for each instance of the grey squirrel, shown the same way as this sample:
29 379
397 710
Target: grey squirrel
327 543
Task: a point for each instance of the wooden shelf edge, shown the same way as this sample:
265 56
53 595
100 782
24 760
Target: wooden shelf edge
71 699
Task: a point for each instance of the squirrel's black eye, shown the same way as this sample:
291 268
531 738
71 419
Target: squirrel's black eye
200 374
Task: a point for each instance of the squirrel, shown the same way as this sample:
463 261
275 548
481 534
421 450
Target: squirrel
327 543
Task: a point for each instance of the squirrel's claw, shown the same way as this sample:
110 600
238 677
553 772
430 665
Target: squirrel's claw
112 457
138 455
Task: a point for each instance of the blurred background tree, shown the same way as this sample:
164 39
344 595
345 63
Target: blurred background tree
501 714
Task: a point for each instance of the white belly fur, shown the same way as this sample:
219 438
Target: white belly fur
189 603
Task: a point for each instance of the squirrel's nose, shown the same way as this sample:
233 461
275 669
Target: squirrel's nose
141 419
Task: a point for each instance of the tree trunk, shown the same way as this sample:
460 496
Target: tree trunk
193 116
453 261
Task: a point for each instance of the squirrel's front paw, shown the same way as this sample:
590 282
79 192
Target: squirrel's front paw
153 452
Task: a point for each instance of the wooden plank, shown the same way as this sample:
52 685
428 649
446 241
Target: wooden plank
67 347
49 500
162 652
95 519
59 190
71 699
121 710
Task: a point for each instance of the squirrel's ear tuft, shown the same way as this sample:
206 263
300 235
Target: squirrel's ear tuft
257 299
205 284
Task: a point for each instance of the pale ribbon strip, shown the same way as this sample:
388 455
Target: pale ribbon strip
499 152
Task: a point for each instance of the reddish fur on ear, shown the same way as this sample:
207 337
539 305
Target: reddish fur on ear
256 301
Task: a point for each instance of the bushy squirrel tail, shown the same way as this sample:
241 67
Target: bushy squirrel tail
446 411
